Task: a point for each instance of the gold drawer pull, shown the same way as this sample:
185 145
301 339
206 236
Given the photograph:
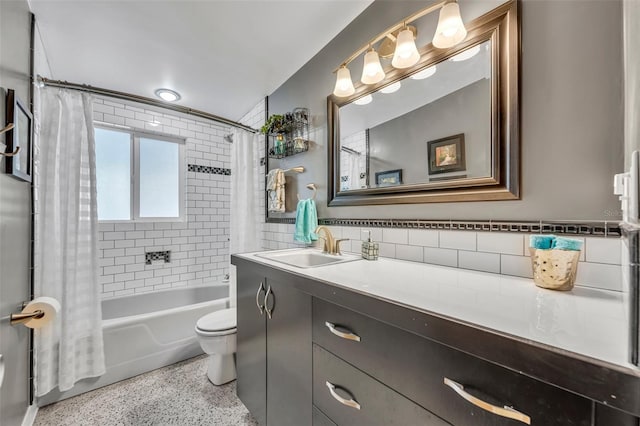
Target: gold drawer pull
349 336
505 411
348 402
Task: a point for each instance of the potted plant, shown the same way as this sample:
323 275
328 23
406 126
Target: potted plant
277 124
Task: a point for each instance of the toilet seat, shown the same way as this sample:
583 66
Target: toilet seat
218 323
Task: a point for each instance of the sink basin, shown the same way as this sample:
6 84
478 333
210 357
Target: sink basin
307 258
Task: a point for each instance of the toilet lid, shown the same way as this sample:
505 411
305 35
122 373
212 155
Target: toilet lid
218 320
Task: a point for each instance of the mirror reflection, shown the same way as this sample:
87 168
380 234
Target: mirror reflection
432 126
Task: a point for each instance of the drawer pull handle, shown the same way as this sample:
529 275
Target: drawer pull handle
349 336
348 402
260 290
505 411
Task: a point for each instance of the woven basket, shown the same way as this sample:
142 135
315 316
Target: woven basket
554 269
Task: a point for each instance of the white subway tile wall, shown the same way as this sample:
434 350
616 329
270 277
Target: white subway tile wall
200 245
498 252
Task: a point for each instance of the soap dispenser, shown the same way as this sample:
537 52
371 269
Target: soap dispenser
369 248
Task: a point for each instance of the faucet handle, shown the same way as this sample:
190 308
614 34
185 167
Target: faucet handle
338 245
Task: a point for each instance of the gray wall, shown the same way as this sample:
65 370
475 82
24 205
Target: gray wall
401 143
15 216
632 77
572 111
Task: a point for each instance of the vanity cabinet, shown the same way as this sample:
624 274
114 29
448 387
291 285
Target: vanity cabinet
330 356
273 349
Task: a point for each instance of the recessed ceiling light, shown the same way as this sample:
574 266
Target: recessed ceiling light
391 88
364 100
425 73
168 95
467 54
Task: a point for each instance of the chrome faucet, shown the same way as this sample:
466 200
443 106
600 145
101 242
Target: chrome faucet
331 245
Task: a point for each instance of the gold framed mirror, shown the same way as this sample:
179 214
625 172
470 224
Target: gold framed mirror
444 130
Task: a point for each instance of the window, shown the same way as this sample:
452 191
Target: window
139 177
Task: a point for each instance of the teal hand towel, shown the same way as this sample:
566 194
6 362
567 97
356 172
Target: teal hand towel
306 221
542 242
563 243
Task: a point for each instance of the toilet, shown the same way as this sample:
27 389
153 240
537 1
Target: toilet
217 336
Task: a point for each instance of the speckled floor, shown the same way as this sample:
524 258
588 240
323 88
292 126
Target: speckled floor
179 394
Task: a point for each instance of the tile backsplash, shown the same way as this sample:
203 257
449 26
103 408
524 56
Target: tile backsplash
498 252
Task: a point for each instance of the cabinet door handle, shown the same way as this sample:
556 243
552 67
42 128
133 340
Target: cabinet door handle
348 335
505 411
260 290
348 402
266 300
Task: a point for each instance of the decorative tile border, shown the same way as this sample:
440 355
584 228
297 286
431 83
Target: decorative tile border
209 170
152 256
596 228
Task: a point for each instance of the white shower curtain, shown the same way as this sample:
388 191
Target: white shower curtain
66 238
245 231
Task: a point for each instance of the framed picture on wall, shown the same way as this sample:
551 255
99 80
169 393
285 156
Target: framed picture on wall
19 138
446 155
389 178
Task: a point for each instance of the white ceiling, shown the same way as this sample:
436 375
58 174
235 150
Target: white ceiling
222 56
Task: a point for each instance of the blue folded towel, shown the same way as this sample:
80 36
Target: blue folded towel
545 242
542 242
563 243
306 221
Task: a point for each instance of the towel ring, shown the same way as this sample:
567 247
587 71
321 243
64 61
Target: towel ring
311 186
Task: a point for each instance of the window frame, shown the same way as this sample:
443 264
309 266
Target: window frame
134 193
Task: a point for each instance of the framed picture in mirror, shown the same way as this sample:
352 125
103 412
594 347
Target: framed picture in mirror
19 138
446 155
389 178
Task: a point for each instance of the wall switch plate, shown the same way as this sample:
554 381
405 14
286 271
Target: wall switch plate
626 185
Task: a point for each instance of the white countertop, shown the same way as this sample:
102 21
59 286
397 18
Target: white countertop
590 322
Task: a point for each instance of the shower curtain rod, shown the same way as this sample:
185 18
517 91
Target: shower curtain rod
349 150
141 99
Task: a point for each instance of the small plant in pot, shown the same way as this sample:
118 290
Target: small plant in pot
277 124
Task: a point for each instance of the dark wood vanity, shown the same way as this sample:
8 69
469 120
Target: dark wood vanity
313 353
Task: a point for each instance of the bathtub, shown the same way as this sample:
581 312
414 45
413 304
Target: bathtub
148 331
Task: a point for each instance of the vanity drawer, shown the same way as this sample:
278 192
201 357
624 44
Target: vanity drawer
417 367
319 419
351 398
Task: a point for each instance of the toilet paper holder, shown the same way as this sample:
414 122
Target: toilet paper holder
21 318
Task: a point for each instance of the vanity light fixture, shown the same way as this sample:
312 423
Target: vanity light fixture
392 88
466 54
344 85
372 70
168 95
364 100
406 54
449 32
425 73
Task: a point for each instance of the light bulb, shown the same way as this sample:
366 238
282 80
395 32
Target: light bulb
364 100
406 53
391 88
425 73
450 30
466 54
344 85
372 70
